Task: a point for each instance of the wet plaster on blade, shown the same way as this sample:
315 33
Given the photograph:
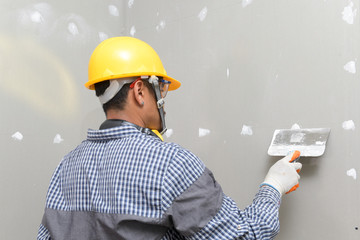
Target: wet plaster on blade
295 126
297 137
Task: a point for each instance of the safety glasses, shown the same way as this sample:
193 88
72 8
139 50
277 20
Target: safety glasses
163 86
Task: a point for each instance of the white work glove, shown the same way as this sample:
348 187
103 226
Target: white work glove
283 175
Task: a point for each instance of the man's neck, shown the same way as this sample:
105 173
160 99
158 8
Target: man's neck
123 115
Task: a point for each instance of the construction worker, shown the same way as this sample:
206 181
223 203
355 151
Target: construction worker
125 182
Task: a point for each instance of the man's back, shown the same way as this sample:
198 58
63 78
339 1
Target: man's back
114 185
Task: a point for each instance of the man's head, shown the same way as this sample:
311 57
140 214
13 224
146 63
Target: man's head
137 99
114 67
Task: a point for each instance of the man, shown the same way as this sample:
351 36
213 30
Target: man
124 182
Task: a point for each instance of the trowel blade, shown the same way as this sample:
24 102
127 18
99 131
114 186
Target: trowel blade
310 142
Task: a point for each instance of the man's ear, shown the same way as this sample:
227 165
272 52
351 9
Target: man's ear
139 92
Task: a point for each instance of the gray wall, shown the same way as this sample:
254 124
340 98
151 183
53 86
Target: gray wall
264 64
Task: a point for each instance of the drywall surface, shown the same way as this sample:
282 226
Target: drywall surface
247 67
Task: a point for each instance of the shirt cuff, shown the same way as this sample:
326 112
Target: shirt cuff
268 192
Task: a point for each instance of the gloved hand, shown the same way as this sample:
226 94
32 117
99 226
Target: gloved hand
283 175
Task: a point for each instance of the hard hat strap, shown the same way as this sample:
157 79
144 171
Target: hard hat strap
159 100
114 87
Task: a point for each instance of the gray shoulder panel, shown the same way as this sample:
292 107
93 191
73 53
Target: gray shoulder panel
71 225
194 208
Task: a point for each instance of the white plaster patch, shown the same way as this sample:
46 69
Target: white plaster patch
246 130
36 17
350 67
348 125
295 126
17 136
113 10
58 139
348 14
161 26
36 13
103 36
227 72
351 173
276 77
130 3
202 14
132 31
169 132
297 137
73 29
246 2
203 132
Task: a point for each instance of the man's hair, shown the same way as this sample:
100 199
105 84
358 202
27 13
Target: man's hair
119 100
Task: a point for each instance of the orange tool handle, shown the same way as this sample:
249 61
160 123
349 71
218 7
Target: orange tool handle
293 188
295 157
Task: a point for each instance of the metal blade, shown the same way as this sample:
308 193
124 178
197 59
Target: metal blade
311 142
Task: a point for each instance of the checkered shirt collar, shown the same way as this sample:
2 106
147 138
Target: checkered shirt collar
122 131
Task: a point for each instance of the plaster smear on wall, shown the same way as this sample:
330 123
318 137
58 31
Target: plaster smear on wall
58 139
103 36
348 125
246 3
36 17
132 31
160 26
202 14
203 132
73 29
35 14
169 132
247 130
348 14
350 67
130 3
351 173
17 136
113 10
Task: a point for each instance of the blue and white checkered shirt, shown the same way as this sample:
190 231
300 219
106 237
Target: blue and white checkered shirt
121 183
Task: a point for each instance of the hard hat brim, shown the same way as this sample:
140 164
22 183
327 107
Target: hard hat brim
175 84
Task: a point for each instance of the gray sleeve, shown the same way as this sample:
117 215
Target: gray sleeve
197 205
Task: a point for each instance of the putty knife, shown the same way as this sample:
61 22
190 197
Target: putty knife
310 142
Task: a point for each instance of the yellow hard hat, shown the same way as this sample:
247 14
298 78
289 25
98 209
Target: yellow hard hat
121 57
